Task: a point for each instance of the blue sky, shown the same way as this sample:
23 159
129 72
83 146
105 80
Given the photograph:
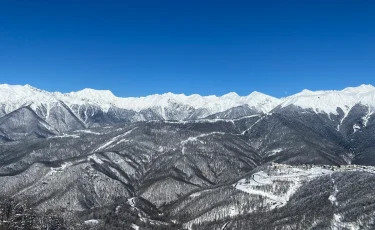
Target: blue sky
136 48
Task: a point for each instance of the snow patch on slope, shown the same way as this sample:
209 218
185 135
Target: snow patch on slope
115 140
87 131
135 227
275 151
337 223
92 222
260 182
366 118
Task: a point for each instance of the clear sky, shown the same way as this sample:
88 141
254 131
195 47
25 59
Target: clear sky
139 47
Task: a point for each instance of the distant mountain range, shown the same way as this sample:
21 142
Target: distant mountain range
91 160
92 108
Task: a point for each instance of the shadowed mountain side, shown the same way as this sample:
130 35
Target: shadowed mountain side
24 123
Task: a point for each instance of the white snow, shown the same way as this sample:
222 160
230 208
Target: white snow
367 117
14 96
65 136
346 112
192 139
135 227
356 127
131 201
203 120
328 101
256 185
87 131
275 151
65 165
59 169
221 119
92 222
233 211
95 158
332 197
337 224
117 209
254 124
115 140
196 194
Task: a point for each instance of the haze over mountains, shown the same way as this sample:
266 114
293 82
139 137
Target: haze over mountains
172 161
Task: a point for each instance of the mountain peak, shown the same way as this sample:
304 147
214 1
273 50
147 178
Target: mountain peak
230 95
360 89
306 92
88 93
29 86
328 101
258 94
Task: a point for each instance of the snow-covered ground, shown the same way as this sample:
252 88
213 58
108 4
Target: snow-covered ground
196 138
65 136
91 223
367 117
135 227
87 131
95 158
115 140
274 151
264 183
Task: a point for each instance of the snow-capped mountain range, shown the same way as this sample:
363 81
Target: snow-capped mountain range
13 97
329 101
62 112
189 162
